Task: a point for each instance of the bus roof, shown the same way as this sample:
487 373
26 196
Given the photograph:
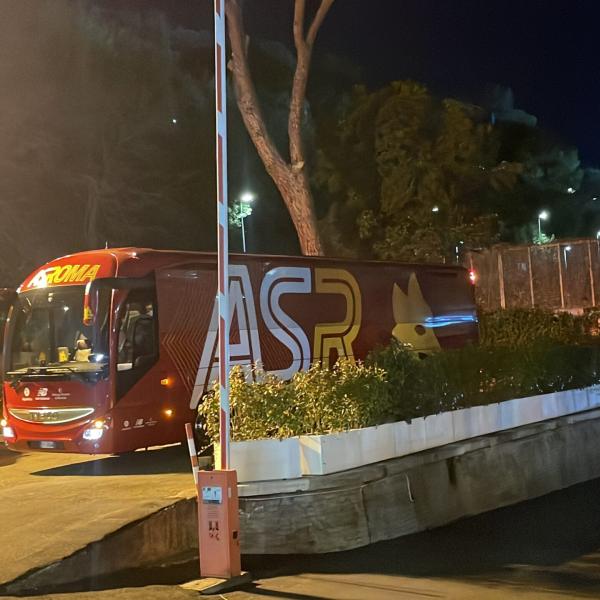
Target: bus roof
83 267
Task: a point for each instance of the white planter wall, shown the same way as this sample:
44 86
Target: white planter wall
323 454
264 460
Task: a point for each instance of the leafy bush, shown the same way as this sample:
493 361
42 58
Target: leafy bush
477 375
516 327
318 400
528 354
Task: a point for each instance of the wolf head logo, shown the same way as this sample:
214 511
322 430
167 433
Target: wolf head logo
411 313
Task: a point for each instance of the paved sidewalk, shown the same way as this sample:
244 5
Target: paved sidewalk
358 587
54 504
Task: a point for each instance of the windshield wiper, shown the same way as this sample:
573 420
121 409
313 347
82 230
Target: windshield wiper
54 371
42 370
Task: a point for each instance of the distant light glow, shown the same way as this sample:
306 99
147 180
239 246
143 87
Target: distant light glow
570 190
435 209
247 197
598 235
472 276
174 121
544 215
567 248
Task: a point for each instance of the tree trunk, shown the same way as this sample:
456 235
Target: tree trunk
295 191
291 179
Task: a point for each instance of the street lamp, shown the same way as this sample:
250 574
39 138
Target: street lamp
565 250
541 217
245 199
598 235
435 209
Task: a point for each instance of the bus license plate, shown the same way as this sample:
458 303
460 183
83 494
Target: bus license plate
48 445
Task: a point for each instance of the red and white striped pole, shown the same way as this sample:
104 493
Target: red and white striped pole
189 433
222 226
218 506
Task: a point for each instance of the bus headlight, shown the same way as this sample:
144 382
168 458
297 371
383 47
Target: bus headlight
96 431
93 434
8 432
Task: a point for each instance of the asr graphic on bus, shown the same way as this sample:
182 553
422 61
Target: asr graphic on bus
112 350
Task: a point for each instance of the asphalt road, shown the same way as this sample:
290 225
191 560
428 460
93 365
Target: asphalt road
52 505
544 548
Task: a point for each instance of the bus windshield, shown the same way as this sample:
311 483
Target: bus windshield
48 331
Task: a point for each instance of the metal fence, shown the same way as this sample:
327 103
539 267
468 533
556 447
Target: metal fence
558 276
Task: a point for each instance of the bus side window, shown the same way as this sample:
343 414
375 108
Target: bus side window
137 342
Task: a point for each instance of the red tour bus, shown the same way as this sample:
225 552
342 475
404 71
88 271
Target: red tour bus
111 350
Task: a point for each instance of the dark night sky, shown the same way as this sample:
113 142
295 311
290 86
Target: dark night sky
545 50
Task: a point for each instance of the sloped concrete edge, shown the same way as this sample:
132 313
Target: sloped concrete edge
163 537
434 488
366 505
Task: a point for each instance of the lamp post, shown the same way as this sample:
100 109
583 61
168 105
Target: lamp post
541 217
245 200
565 250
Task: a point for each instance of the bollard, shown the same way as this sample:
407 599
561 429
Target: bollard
219 524
218 527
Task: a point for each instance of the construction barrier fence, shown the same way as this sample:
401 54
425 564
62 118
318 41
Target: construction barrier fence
557 276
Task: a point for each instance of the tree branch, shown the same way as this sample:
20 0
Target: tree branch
318 21
291 180
303 53
299 24
246 93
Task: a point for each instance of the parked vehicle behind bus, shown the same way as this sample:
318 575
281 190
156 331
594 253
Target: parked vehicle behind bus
112 350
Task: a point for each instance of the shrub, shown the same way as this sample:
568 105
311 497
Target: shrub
530 353
318 400
516 327
477 375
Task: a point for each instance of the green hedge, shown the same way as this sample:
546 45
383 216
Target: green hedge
522 353
314 401
478 375
516 327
